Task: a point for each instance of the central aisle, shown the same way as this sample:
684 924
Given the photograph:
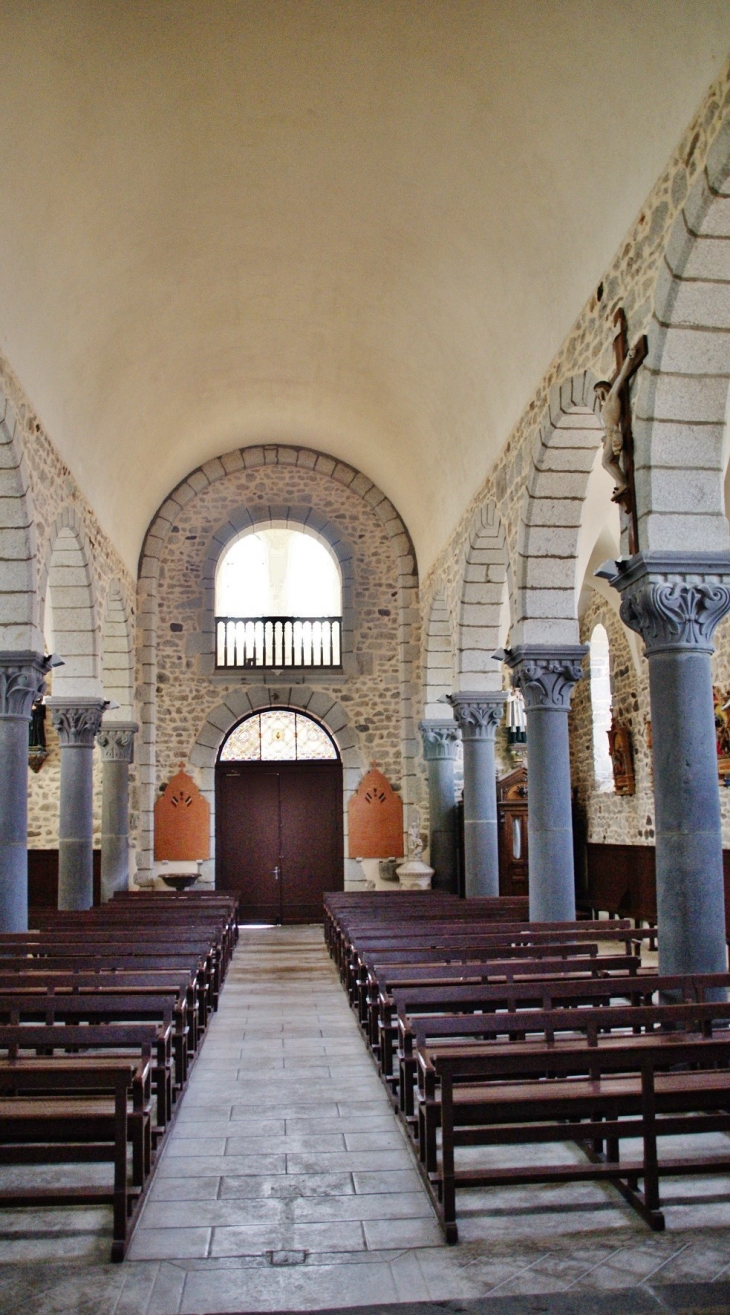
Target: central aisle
286 1160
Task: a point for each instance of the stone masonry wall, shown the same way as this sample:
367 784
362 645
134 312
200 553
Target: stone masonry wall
188 690
56 497
629 282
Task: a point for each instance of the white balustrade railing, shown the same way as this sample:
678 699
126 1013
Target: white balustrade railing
278 641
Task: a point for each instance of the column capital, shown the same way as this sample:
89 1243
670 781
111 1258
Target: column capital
77 721
478 714
674 600
116 742
22 681
440 738
546 674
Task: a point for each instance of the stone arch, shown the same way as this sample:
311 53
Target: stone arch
485 584
19 620
117 656
550 517
68 581
682 400
405 575
238 704
293 516
439 658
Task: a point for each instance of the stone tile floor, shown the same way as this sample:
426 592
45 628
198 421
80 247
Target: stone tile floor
286 1184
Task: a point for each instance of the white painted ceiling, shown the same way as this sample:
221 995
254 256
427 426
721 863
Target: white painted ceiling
364 225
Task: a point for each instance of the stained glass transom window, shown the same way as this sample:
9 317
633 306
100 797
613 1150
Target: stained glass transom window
277 734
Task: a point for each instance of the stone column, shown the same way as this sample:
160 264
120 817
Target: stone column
675 601
546 677
116 742
440 740
478 716
21 683
77 722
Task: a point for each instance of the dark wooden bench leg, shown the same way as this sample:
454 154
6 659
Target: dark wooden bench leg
119 1243
448 1183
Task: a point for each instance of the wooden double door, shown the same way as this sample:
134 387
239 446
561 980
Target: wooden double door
279 841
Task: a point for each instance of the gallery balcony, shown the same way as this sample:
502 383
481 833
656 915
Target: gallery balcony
278 642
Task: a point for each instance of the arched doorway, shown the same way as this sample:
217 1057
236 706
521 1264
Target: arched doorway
279 838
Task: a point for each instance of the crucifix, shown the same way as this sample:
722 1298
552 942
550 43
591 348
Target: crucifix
618 441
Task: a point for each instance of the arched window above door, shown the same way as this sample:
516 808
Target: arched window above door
278 602
278 735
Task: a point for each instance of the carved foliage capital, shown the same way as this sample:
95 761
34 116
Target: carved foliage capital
77 722
117 742
22 682
675 614
440 739
546 677
478 715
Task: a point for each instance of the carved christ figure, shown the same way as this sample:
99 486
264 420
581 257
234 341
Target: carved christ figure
609 395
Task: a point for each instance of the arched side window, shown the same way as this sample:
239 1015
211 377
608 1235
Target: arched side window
601 709
278 735
278 602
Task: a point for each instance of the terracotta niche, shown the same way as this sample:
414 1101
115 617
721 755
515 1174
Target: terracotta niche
182 821
376 818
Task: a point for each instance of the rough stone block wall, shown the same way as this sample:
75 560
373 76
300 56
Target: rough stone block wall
370 690
57 501
630 282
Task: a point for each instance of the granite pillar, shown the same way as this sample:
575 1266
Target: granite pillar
440 742
478 716
546 677
116 742
77 722
22 681
675 601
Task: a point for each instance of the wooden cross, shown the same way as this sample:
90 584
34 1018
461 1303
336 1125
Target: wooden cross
627 499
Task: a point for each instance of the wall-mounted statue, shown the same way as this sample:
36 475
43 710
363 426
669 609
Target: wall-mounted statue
721 700
622 757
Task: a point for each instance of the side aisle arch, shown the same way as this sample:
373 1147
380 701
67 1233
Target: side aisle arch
550 518
439 657
20 630
485 586
117 655
682 401
67 580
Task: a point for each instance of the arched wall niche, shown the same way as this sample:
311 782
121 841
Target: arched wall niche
261 470
246 520
20 628
484 606
67 579
550 518
241 703
682 398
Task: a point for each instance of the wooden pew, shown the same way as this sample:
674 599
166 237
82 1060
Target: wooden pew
606 1084
66 1111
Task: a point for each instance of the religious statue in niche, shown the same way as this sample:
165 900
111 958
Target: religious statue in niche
618 443
721 703
37 751
622 757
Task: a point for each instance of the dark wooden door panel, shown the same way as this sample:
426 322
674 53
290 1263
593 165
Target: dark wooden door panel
279 816
247 837
311 836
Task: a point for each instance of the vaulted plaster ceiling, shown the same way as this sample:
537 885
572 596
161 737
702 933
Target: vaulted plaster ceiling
363 225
